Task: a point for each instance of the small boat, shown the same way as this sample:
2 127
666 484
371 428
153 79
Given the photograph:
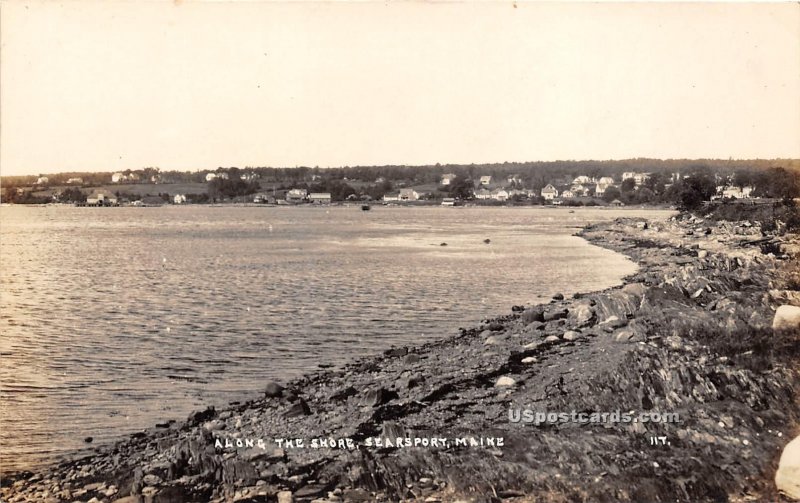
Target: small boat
365 207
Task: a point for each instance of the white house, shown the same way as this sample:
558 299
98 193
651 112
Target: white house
42 180
485 180
578 190
735 192
118 177
408 195
448 178
320 197
179 198
500 195
296 195
483 194
549 192
391 197
640 178
101 198
210 176
602 185
567 194
582 179
74 180
628 174
514 179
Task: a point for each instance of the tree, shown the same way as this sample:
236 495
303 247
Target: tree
694 190
610 194
656 182
461 188
628 185
72 195
742 178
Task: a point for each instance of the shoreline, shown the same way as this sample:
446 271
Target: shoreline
568 354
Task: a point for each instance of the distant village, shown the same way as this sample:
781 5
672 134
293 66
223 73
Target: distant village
554 184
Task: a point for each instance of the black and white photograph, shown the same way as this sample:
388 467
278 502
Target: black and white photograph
417 251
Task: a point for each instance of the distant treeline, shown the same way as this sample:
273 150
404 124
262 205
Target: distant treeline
533 174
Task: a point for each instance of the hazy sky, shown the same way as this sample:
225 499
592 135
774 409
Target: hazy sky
88 86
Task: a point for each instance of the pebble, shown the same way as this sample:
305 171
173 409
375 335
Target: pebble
505 382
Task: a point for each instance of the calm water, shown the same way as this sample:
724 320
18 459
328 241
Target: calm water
114 319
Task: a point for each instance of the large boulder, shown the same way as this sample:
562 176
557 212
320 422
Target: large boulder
787 478
786 318
556 314
582 315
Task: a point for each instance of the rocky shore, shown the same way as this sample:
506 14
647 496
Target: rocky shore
691 333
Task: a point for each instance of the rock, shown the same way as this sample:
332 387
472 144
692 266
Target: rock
128 499
571 335
582 314
787 478
149 492
88 440
214 425
529 359
628 335
786 318
487 241
411 359
273 389
702 254
299 408
442 244
558 296
614 322
491 340
496 326
533 314
505 382
344 394
556 314
152 480
378 396
199 417
285 497
414 381
310 491
552 338
395 352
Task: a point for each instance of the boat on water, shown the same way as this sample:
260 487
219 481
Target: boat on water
365 207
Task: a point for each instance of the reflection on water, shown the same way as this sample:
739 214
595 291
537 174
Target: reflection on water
114 319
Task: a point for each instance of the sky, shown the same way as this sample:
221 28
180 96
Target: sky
108 86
